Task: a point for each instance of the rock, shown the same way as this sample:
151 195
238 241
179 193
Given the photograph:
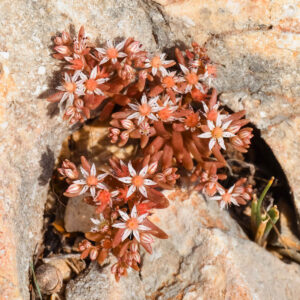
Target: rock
49 279
257 48
78 215
207 256
31 130
254 43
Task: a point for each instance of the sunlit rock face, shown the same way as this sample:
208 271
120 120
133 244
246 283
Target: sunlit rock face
257 49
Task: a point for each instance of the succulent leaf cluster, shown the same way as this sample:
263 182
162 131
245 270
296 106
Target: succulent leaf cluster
171 109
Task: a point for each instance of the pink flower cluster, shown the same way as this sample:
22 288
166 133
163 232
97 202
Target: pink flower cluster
171 108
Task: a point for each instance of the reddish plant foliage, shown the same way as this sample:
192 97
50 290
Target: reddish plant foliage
171 107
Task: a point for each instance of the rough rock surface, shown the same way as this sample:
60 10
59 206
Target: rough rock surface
207 256
255 43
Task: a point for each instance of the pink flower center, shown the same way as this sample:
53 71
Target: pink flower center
227 198
91 84
212 115
70 87
144 109
132 224
104 196
165 114
192 120
191 78
112 53
137 180
91 180
217 132
169 81
156 62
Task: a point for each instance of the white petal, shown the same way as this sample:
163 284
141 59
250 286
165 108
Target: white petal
122 54
110 44
125 179
153 101
231 189
120 46
126 234
228 134
81 181
114 193
131 170
143 227
143 191
93 170
144 171
225 125
93 73
211 143
222 205
67 77
234 201
205 107
164 72
184 69
101 50
210 125
149 182
131 190
133 106
102 176
133 212
144 99
221 143
199 87
102 80
141 119
205 135
119 225
85 188
93 191
84 172
61 88
64 97
123 215
219 121
215 198
95 221
153 117
136 235
133 116
154 71
114 60
162 69
221 191
101 186
104 60
142 217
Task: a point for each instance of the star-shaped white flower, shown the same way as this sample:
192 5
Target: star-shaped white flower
192 79
137 181
111 52
97 222
132 224
226 197
91 83
168 108
145 109
70 87
157 63
217 133
91 181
